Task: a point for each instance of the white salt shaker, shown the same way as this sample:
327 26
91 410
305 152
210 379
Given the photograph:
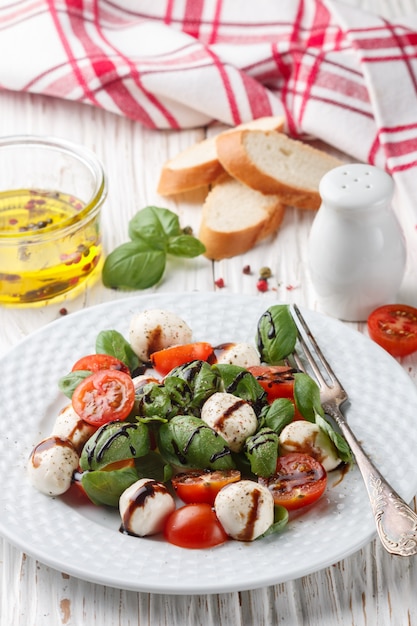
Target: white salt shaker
356 249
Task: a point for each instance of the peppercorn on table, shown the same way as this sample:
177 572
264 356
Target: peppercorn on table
368 586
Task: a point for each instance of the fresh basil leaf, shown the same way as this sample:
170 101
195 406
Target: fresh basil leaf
153 466
180 394
281 516
164 400
278 414
69 382
106 487
185 246
133 265
112 342
188 442
140 263
202 379
241 383
115 441
152 419
152 400
343 449
155 225
307 397
262 451
276 334
242 464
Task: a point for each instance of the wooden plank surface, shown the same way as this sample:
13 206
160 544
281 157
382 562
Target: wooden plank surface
366 589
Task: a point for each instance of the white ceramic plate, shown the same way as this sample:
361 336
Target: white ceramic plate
84 541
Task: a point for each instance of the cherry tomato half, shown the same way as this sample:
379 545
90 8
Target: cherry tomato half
104 396
194 526
299 480
97 362
165 360
277 381
202 485
394 328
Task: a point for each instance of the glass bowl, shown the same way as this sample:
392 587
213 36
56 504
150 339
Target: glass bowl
51 194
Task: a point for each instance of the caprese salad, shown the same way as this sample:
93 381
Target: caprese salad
201 443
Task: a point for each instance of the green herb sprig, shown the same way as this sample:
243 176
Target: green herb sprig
140 263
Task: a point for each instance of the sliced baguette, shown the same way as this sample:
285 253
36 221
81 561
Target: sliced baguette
273 163
235 217
198 166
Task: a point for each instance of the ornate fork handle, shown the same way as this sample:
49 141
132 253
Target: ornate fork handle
396 522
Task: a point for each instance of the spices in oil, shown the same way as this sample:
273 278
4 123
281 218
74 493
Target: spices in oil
49 244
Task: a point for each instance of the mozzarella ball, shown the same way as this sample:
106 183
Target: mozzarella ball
52 464
144 507
307 437
69 425
140 381
242 354
245 509
231 417
156 329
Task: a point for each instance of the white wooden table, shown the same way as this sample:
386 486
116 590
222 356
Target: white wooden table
368 588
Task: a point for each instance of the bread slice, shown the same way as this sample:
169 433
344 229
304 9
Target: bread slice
273 163
198 166
235 217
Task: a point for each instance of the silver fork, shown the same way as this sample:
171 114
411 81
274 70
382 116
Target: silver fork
396 522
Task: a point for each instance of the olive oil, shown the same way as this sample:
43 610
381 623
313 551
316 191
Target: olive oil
49 244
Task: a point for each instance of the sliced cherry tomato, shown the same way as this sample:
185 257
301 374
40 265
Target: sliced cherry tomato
97 362
394 327
202 485
165 360
76 494
76 491
299 480
104 396
194 526
277 381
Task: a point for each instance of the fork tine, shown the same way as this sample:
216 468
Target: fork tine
298 361
312 361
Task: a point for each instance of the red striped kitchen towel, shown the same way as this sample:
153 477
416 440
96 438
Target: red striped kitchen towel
337 73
